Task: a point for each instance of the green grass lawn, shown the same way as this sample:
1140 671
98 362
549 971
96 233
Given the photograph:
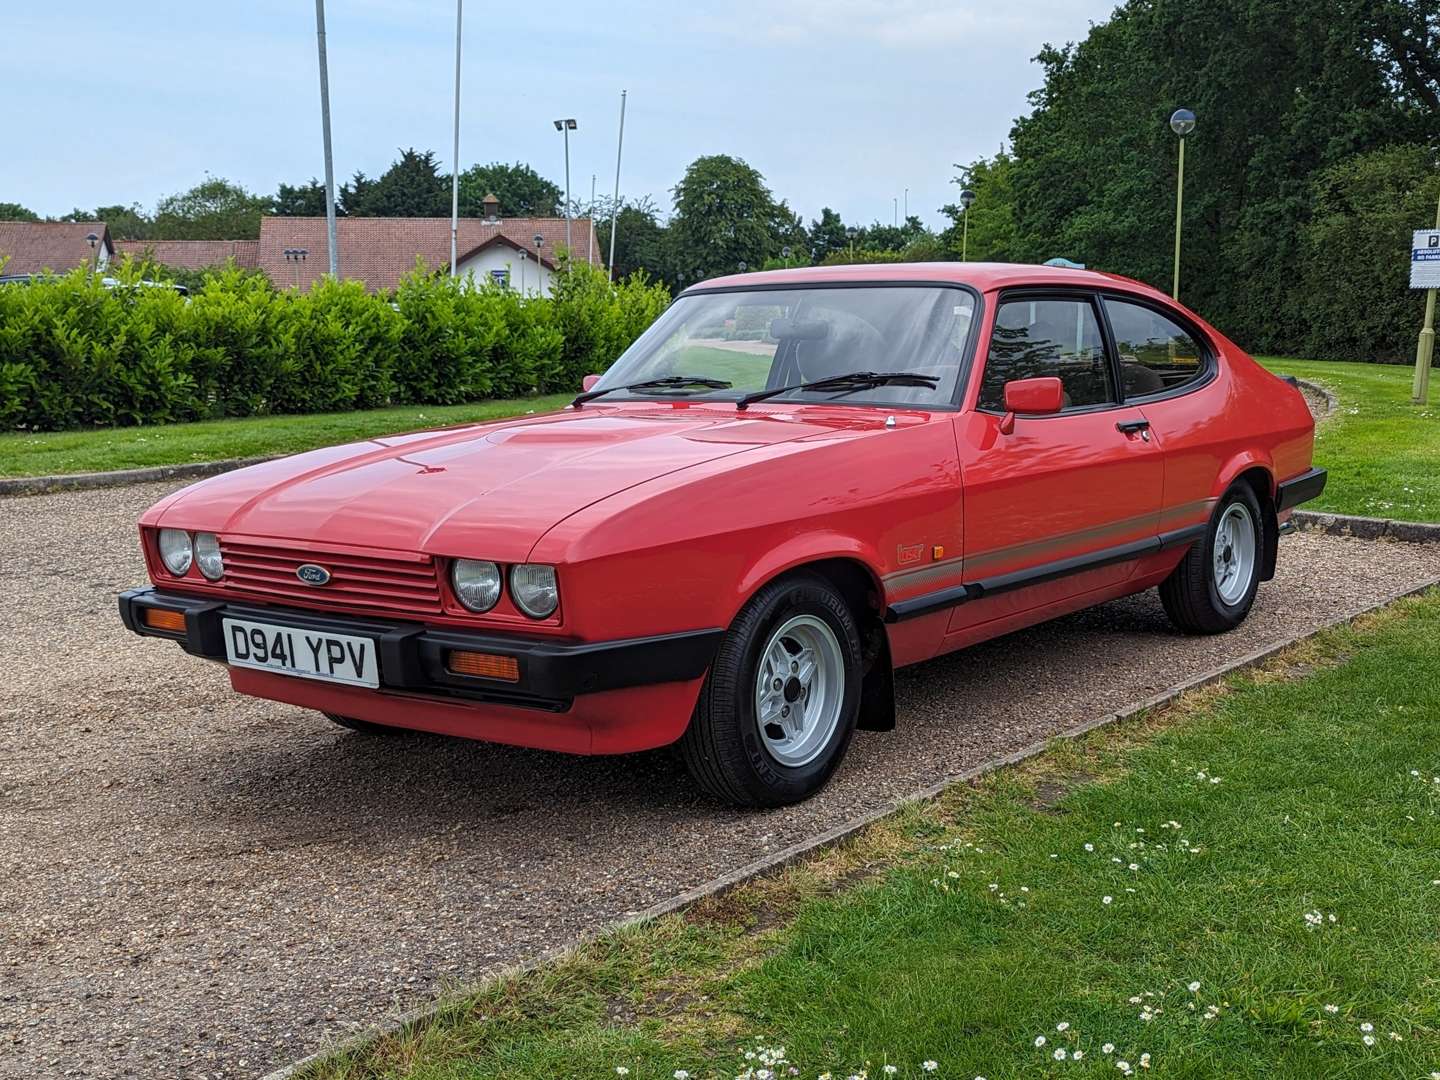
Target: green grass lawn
104 449
1382 451
1244 885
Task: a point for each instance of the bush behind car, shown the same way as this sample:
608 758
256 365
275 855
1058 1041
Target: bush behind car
76 354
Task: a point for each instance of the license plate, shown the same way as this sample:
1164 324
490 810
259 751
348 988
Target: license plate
310 654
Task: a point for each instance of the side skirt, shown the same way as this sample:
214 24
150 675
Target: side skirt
953 596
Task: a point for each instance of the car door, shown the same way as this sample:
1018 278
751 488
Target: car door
1168 370
1064 503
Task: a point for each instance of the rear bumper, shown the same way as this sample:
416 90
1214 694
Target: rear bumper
1299 489
414 660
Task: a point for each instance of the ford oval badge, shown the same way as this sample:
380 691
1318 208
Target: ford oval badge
312 574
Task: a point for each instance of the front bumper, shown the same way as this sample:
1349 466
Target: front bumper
414 658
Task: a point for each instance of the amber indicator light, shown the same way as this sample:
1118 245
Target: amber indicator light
485 665
160 619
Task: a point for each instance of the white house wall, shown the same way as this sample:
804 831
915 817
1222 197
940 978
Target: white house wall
501 258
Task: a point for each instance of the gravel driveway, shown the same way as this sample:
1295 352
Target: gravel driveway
198 884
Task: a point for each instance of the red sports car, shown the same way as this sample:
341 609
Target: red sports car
792 484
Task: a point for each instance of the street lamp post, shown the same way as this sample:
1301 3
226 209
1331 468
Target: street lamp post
1182 122
567 126
539 267
785 254
850 233
524 255
967 198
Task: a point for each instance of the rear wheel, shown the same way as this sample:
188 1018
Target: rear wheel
1213 588
780 703
364 726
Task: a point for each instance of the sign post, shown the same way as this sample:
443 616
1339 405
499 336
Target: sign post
1425 274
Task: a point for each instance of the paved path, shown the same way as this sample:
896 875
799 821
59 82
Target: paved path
198 884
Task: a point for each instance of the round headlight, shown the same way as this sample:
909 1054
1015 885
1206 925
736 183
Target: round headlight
207 555
175 551
477 583
533 589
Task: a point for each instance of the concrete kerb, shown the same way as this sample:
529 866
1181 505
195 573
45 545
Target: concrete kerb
1315 390
830 837
1367 528
45 485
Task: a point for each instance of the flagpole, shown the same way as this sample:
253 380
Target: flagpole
615 206
455 175
325 128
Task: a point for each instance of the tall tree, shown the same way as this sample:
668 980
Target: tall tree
992 233
878 237
521 190
787 229
1406 37
827 234
126 222
302 200
639 239
724 216
352 196
213 209
413 186
1282 89
13 211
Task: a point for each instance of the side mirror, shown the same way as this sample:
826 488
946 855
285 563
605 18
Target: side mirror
588 383
1031 397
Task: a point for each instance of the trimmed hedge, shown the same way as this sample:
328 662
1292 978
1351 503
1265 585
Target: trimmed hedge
74 353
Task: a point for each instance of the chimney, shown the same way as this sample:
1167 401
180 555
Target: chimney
491 206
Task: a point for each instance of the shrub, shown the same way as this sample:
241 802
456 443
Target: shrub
1355 301
598 320
75 353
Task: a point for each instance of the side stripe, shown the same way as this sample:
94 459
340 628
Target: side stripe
1037 575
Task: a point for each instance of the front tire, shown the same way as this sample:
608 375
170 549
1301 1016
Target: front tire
781 699
365 727
1213 588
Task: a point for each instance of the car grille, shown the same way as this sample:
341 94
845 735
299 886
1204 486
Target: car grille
389 583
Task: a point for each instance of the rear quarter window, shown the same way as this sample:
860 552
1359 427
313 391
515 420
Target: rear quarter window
1157 355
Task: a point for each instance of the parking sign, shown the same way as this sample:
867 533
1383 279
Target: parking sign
1425 259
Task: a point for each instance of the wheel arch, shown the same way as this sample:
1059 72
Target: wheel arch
857 581
1260 478
1256 467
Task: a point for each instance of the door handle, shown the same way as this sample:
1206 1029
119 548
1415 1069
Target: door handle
1130 427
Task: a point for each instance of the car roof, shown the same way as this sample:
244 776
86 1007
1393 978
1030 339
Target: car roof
981 276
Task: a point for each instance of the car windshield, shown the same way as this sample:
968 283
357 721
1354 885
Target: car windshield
770 338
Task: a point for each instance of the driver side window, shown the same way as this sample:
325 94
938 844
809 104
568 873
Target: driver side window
1048 337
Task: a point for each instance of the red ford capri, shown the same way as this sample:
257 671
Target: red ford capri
791 485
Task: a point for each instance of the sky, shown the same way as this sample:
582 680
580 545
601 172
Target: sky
840 103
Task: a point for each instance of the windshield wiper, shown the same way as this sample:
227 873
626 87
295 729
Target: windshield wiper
851 381
669 382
